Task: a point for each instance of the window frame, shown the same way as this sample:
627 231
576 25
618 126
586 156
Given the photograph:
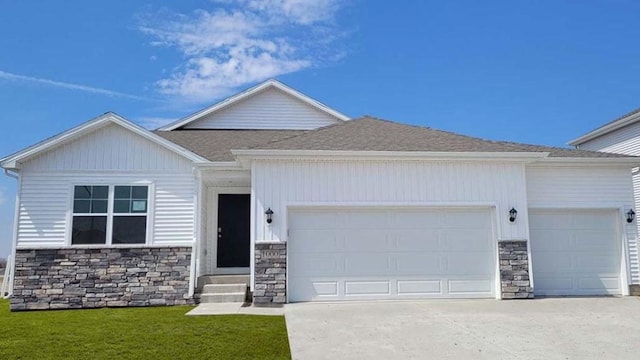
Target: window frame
111 184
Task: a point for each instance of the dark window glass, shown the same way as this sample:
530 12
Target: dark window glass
139 192
121 206
129 229
82 206
90 199
82 192
89 230
122 192
100 192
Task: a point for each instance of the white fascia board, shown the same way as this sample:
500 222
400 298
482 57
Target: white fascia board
219 165
599 162
633 118
248 93
244 156
12 161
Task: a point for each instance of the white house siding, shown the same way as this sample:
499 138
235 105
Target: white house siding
110 155
278 183
270 109
625 140
586 187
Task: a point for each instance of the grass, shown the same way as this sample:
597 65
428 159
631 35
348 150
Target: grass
139 333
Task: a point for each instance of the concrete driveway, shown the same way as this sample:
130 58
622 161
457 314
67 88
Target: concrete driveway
552 328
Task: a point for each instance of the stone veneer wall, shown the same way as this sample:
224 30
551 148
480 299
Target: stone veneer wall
73 278
514 270
270 274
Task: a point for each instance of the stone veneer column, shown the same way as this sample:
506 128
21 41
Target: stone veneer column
270 276
74 278
514 270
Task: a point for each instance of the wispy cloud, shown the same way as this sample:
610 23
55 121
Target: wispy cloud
36 80
154 122
244 41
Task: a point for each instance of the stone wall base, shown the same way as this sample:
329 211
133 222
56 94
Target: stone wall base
634 290
514 270
270 286
73 278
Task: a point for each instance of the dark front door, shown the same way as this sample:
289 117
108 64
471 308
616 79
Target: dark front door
233 230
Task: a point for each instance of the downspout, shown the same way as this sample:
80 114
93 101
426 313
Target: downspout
195 250
16 175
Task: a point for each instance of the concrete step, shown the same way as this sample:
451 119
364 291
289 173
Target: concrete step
223 279
235 297
224 288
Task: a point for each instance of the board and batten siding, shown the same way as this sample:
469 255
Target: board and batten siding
625 140
270 109
279 183
586 187
111 155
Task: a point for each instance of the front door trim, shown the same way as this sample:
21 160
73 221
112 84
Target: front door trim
211 219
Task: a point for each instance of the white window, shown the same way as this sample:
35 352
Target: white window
107 215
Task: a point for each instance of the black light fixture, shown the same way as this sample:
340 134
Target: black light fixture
513 214
269 214
631 215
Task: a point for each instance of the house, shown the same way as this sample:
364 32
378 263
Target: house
620 136
311 205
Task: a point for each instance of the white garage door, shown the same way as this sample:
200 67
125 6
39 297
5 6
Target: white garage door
575 252
353 254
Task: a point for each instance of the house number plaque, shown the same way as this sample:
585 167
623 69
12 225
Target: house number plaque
270 254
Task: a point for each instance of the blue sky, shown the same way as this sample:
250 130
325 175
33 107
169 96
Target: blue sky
529 71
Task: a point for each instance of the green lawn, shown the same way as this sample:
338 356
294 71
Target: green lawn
139 333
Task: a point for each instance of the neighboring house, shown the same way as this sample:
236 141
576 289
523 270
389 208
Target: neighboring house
620 136
313 206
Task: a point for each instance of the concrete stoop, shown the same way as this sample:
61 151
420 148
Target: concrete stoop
222 289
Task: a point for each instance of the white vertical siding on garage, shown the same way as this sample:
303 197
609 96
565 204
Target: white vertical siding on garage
586 187
278 183
270 109
109 155
625 140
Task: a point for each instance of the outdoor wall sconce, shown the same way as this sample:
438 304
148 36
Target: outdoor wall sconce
269 214
631 215
513 214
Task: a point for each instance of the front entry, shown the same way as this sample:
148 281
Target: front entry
233 237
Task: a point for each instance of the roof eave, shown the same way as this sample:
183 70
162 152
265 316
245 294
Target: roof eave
248 93
595 161
245 155
603 130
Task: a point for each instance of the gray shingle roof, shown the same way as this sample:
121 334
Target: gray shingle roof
216 145
371 134
364 134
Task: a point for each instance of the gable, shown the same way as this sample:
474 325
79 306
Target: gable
269 109
625 140
108 148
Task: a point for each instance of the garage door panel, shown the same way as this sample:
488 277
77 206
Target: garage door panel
465 240
458 218
367 263
319 240
580 257
460 263
366 220
372 240
559 239
470 286
417 240
314 220
419 287
394 253
419 263
363 287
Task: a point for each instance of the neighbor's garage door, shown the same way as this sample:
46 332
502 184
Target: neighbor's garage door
575 252
350 254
